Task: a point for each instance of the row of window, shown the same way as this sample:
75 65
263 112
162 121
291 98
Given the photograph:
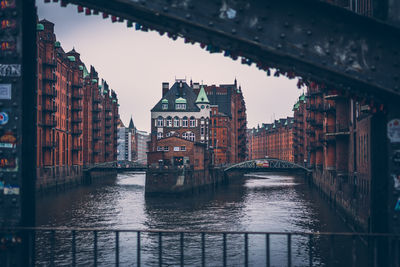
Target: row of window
176 148
186 135
176 122
177 106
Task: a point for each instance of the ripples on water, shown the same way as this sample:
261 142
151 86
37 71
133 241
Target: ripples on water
255 202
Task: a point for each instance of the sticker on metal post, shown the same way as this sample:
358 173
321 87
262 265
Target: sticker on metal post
396 181
10 70
393 130
3 118
11 190
397 207
5 91
8 140
8 164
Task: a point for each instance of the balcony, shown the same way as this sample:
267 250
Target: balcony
76 147
49 92
49 63
49 123
329 108
76 108
77 95
49 79
76 85
96 109
48 144
337 129
50 108
76 131
76 120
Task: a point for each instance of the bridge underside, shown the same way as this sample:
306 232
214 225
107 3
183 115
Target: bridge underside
280 170
309 39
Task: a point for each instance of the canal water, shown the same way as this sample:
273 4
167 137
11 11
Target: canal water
254 202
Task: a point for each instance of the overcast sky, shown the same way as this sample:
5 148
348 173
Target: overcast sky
135 63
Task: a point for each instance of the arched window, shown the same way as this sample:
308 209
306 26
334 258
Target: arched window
159 135
176 122
160 121
192 136
169 122
185 122
192 122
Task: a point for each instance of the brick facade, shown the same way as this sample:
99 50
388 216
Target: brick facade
69 104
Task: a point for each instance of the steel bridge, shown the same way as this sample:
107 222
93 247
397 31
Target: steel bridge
266 165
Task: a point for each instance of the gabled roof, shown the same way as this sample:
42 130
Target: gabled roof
177 92
202 97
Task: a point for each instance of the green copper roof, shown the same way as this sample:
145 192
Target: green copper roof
80 67
285 122
40 27
296 106
114 100
202 97
164 101
94 80
273 127
57 44
110 96
117 105
105 92
85 72
302 98
181 101
71 58
100 86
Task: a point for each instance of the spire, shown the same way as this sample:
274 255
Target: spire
235 82
202 97
131 126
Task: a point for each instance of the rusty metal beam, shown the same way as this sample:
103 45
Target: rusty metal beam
315 40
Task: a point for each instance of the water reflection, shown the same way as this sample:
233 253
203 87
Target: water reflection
254 202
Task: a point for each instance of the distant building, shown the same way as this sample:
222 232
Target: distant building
76 116
124 144
180 126
228 122
142 147
274 140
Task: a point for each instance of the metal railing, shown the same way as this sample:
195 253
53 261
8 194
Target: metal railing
196 247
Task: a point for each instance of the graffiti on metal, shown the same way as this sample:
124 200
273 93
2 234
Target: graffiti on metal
393 130
10 70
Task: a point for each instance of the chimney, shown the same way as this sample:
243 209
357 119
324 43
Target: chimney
165 88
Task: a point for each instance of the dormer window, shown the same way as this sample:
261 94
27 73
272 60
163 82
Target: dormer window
180 106
164 104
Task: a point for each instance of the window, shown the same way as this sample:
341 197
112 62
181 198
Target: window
159 148
176 122
169 122
164 106
166 148
192 122
168 134
160 121
185 122
159 135
202 130
191 136
183 148
185 136
180 106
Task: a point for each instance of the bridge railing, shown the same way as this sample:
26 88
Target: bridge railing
92 246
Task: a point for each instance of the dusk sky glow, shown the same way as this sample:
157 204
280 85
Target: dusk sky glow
135 63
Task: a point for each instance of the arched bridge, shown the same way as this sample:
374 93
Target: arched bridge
266 165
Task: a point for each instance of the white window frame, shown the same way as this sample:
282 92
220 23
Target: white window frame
185 122
160 122
169 122
176 122
192 136
185 135
164 106
159 135
192 122
182 148
166 148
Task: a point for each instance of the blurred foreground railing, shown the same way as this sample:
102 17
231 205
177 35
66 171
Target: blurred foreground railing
61 246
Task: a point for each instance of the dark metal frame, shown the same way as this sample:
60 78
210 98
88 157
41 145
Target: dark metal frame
301 37
374 240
